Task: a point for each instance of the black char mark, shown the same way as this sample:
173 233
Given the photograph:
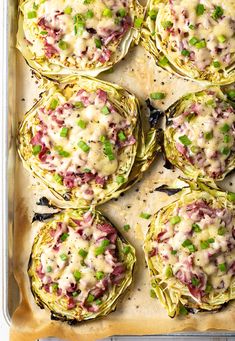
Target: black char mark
43 216
155 114
167 190
43 201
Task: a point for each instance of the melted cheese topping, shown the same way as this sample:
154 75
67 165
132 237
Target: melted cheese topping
79 140
79 260
201 32
197 246
75 33
205 134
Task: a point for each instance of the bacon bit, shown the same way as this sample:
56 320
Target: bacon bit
39 272
87 217
43 154
119 269
37 138
92 308
46 287
59 292
100 180
69 180
106 227
102 95
71 303
153 252
50 50
105 57
57 120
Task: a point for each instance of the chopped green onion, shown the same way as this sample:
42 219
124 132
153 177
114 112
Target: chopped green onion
54 103
98 302
152 14
86 170
107 13
90 298
102 138
63 45
105 110
145 215
208 288
83 146
218 12
157 95
209 135
108 150
55 286
49 268
186 243
64 236
196 228
64 132
35 6
89 14
216 64
122 12
83 253
183 310
193 41
168 272
204 244
226 138
185 53
98 43
120 179
191 248
58 178
173 252
43 33
221 38
200 44
82 124
210 102
77 275
195 281
231 196
126 227
200 9
222 267
211 240
79 24
32 15
225 128
192 27
167 24
79 105
126 250
99 275
63 257
36 149
221 231
163 61
105 242
152 293
75 294
138 22
68 10
63 153
225 151
122 136
195 149
231 94
185 140
175 220
101 249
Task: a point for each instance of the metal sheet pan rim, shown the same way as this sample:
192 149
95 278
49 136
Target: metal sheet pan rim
5 205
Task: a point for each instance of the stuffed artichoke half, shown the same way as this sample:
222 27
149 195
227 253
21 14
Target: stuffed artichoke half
190 251
200 137
79 266
64 37
84 140
193 38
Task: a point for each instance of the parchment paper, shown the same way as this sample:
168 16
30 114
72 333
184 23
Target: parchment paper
137 313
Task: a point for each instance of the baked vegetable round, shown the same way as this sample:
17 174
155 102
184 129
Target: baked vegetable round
190 251
199 138
60 38
193 38
84 140
79 266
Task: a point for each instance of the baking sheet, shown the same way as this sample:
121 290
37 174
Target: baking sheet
138 313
